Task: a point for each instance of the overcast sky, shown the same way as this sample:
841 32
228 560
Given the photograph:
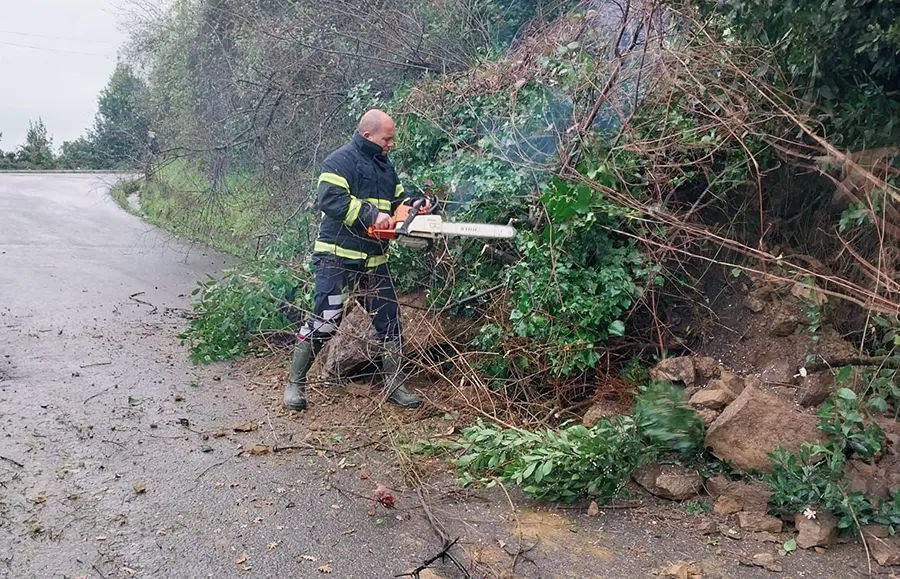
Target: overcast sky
55 57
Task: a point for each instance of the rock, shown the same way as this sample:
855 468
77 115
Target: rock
759 522
353 346
767 561
754 304
814 389
818 532
754 425
733 534
669 482
869 479
730 383
885 551
707 415
784 324
601 409
706 367
593 509
712 398
877 531
708 527
726 505
750 496
681 570
675 370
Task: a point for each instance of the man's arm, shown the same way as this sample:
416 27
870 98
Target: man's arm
335 199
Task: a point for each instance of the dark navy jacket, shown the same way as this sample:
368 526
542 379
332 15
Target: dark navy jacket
357 182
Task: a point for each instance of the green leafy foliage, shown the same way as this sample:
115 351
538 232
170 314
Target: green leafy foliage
665 420
565 465
245 302
847 51
817 474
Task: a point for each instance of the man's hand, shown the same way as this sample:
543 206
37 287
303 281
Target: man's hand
384 221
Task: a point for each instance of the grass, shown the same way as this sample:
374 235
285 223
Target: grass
180 199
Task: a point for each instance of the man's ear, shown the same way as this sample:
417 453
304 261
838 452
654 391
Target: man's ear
366 135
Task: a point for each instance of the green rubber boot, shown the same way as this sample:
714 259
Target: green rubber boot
295 391
394 382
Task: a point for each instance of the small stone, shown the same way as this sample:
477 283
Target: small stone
754 304
759 522
178 397
708 527
711 398
784 325
706 367
681 570
675 370
820 550
184 422
885 551
206 448
768 562
593 509
877 531
726 505
818 532
733 534
669 482
154 425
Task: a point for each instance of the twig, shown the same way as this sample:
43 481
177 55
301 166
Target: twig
99 572
133 297
862 533
212 466
15 462
892 362
95 364
441 555
92 396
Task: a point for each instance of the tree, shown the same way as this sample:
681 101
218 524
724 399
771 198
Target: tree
37 152
120 126
79 154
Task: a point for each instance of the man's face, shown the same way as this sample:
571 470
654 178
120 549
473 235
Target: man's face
383 137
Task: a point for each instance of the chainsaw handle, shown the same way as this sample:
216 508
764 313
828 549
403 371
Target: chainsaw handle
404 215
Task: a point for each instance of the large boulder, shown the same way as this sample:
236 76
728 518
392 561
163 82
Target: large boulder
669 482
754 425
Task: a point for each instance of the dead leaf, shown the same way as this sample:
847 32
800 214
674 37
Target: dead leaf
243 558
220 433
129 570
593 509
258 449
349 532
139 488
273 545
308 558
219 485
326 568
178 397
246 427
100 538
40 498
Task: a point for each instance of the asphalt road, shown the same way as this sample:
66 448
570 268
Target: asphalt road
93 386
108 469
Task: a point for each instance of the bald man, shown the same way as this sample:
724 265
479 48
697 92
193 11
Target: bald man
358 187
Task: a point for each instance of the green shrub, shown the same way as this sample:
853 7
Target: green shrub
565 465
665 420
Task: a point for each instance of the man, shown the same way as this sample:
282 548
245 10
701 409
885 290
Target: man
358 188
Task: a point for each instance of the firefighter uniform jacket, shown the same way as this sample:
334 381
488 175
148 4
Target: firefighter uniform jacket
357 182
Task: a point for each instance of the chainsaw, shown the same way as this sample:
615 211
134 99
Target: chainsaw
418 222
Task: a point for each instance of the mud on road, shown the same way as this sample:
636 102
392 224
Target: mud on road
120 458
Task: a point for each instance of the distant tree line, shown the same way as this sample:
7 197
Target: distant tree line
121 137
